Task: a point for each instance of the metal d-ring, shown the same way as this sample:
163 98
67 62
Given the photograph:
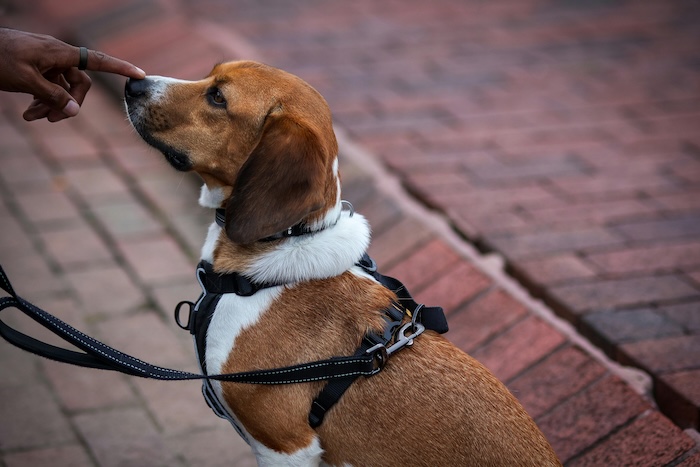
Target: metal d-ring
186 326
348 204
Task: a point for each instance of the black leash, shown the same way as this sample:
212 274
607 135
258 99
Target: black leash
339 372
96 354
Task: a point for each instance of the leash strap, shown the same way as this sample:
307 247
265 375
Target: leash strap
96 354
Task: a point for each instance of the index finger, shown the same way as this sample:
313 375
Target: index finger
100 61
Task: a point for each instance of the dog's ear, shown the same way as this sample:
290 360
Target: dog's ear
281 182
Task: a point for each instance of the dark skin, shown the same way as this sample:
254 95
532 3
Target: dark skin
47 68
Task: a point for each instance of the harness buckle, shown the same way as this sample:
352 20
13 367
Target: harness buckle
380 355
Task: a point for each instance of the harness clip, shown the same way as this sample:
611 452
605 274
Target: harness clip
381 353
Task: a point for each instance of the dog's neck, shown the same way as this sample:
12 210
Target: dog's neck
339 240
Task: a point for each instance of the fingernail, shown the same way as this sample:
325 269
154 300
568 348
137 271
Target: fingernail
71 109
141 71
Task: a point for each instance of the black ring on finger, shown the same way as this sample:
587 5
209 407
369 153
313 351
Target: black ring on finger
82 64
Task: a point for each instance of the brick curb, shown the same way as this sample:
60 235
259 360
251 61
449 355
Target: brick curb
539 357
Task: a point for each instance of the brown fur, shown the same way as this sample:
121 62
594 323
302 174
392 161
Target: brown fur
272 150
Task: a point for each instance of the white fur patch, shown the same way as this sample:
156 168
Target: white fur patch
308 456
211 198
160 84
210 243
233 314
321 255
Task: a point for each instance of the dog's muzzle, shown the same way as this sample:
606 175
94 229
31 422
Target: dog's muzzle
138 96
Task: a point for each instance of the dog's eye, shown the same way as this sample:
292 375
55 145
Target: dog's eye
216 97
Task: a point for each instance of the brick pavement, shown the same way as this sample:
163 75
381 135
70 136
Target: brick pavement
98 229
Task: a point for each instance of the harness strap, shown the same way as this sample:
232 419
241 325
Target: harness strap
215 283
96 354
432 318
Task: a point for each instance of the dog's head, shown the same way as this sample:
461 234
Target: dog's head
260 138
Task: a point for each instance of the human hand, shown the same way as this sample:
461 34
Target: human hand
47 68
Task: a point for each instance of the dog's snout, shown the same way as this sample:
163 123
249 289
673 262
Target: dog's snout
136 87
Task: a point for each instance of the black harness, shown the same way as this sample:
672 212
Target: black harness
340 372
396 334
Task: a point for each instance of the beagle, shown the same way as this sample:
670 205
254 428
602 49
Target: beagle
262 141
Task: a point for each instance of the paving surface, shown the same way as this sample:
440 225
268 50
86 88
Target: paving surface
563 136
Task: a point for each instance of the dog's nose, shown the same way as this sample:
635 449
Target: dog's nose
136 87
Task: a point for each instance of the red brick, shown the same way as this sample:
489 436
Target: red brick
615 327
29 273
688 200
607 185
85 388
36 418
597 213
76 246
602 294
398 242
661 229
478 222
97 182
47 207
499 197
519 347
483 319
73 455
662 355
78 9
695 276
23 172
685 314
678 394
174 406
453 287
589 416
72 148
19 368
106 289
528 245
136 157
11 140
157 260
127 218
555 379
380 212
147 34
650 440
648 259
554 269
209 447
159 186
123 437
423 265
537 168
691 461
433 184
147 337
